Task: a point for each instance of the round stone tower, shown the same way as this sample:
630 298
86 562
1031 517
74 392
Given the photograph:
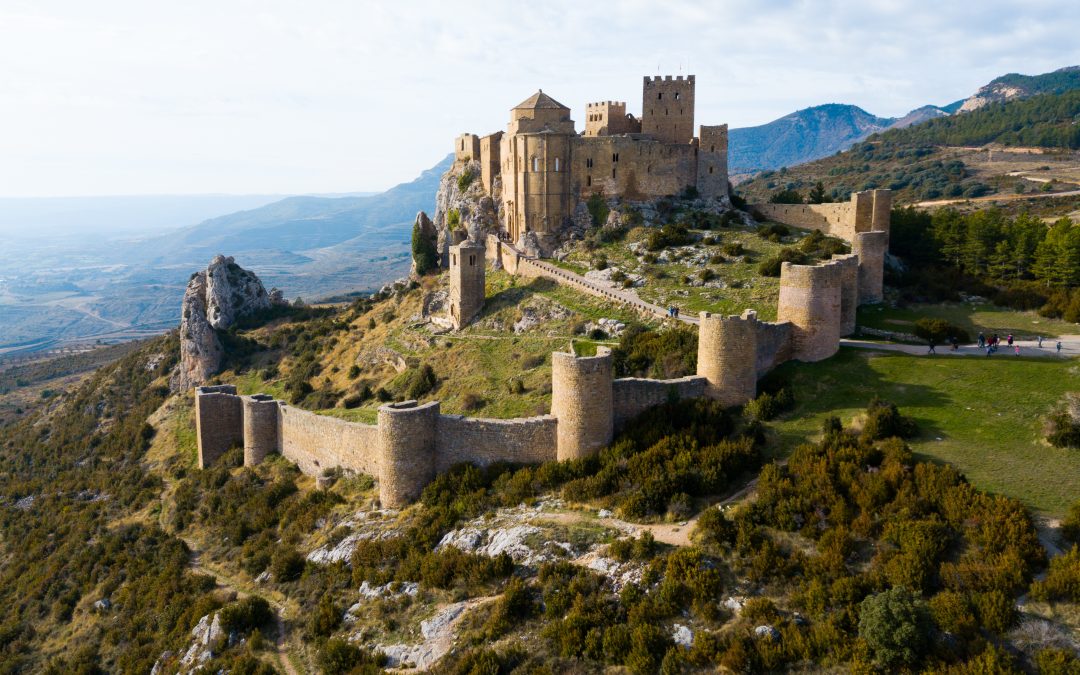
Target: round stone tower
849 291
871 248
260 428
727 356
581 399
407 443
810 300
882 211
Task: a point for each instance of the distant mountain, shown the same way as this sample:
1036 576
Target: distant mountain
296 224
918 116
1015 86
801 137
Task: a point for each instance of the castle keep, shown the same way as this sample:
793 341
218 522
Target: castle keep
541 169
411 442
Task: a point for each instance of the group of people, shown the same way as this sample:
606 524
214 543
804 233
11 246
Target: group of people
673 312
993 343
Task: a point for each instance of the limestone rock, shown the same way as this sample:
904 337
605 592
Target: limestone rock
427 231
682 635
477 211
214 299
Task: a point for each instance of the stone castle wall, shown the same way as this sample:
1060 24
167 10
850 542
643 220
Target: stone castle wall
486 441
632 396
317 442
218 422
413 442
837 220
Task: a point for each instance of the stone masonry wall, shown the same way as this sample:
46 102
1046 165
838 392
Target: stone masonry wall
774 345
485 441
581 399
810 300
260 428
317 442
632 396
218 422
837 220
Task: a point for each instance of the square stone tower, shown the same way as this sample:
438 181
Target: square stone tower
667 108
466 282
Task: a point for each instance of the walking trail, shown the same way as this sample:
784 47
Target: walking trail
1070 346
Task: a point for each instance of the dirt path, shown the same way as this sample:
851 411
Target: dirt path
998 198
1070 346
227 582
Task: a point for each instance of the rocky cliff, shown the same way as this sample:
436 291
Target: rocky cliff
214 299
463 209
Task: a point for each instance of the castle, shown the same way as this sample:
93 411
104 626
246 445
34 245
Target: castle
413 442
541 169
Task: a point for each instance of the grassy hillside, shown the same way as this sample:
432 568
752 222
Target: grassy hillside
934 160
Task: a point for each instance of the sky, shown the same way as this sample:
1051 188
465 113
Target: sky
125 97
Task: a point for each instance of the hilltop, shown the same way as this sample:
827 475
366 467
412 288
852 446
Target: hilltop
964 156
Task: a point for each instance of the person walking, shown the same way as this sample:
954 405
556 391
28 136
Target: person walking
955 343
1039 339
982 340
989 351
1009 339
931 351
1059 347
1017 347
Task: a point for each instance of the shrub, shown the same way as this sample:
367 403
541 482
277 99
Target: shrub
714 528
1062 580
325 618
471 401
786 197
771 267
896 626
671 234
883 420
286 565
716 259
419 381
354 371
465 180
1064 432
339 656
598 208
939 331
706 274
1070 526
733 248
771 230
246 615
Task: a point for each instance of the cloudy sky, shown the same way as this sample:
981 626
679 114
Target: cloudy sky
284 96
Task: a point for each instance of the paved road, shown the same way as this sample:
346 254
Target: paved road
1070 346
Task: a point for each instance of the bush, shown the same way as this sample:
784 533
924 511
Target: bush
733 248
939 331
286 565
771 267
246 615
1064 432
598 209
354 371
769 231
671 234
786 197
419 381
1070 526
896 627
339 656
883 420
1062 580
465 180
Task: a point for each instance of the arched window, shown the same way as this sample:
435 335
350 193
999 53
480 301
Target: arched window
677 95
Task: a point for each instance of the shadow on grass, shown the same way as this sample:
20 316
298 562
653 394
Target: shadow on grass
843 386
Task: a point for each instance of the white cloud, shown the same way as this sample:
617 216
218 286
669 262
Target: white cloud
331 95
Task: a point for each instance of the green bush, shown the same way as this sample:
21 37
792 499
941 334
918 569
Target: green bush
939 331
896 627
598 209
672 234
286 565
465 180
1062 580
786 197
771 267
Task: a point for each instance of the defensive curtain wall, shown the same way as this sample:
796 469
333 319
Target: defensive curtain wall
411 442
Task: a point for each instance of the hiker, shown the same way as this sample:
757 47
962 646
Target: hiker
1009 339
982 340
1018 349
989 350
1059 347
1040 341
932 351
955 343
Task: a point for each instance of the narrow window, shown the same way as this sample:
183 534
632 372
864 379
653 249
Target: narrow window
613 172
677 96
536 163
712 148
453 259
660 96
710 169
472 260
556 165
588 180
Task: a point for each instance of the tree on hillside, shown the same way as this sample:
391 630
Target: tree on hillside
423 252
896 626
786 197
818 195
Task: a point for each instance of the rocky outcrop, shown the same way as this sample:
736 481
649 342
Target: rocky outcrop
214 299
428 233
460 214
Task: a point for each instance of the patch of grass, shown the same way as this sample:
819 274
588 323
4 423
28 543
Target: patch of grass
972 317
985 416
